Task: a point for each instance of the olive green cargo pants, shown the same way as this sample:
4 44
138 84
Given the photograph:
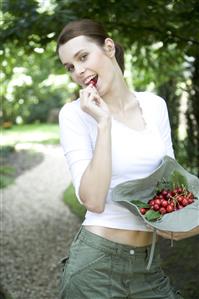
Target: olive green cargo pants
101 269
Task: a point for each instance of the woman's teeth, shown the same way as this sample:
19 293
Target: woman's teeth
93 81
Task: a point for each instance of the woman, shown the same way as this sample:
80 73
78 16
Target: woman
110 135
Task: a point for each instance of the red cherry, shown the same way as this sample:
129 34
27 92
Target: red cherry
152 202
93 82
169 209
172 204
156 207
169 194
157 201
179 190
180 207
190 200
190 195
184 202
143 211
180 198
164 203
162 210
164 193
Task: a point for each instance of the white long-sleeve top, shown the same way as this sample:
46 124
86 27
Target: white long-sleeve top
135 154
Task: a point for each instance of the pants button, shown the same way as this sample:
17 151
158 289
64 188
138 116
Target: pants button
132 251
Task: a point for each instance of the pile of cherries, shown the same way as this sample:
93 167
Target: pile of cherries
167 201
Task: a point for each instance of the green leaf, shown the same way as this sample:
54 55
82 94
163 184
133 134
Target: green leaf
164 184
152 215
140 204
178 179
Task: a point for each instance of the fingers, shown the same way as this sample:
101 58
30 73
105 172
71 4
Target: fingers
87 92
93 104
89 96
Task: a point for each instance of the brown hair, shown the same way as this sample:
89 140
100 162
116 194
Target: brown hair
94 31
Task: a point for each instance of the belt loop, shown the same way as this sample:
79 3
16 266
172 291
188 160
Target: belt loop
152 250
147 251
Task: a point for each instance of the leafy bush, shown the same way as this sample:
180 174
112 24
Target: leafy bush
71 200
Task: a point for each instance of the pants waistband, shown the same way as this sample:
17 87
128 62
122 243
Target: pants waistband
108 246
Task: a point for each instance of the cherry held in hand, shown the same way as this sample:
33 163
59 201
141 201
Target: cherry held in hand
93 82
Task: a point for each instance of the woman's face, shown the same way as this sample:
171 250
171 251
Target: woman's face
85 60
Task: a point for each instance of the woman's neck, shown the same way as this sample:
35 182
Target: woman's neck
119 96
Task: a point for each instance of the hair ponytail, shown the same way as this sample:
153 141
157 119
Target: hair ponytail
119 55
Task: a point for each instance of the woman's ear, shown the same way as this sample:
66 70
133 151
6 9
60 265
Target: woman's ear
109 47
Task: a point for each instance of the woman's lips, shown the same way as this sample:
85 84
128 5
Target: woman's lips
93 81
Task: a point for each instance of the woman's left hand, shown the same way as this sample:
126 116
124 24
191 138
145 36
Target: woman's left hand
177 236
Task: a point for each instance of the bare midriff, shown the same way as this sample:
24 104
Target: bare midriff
127 237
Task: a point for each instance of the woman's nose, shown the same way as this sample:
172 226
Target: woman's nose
79 69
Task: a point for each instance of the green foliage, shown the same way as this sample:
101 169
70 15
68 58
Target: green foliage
71 200
6 150
31 133
139 21
175 179
5 181
152 215
140 204
162 43
6 171
18 136
29 90
6 176
178 179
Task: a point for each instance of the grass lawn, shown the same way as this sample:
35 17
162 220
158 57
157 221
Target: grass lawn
23 135
31 133
72 202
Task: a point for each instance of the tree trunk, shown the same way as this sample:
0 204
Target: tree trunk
168 92
192 115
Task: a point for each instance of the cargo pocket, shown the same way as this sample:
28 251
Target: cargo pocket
91 268
88 260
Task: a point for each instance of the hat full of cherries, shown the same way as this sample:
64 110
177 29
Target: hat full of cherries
167 199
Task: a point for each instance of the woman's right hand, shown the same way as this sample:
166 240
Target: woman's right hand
93 104
94 196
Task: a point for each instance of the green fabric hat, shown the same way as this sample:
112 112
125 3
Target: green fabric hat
182 220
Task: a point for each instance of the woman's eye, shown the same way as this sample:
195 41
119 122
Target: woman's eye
70 68
83 57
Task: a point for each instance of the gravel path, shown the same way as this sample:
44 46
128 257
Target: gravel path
37 229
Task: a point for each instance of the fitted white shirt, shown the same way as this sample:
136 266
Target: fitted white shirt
135 154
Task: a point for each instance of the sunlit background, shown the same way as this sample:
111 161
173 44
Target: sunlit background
161 43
